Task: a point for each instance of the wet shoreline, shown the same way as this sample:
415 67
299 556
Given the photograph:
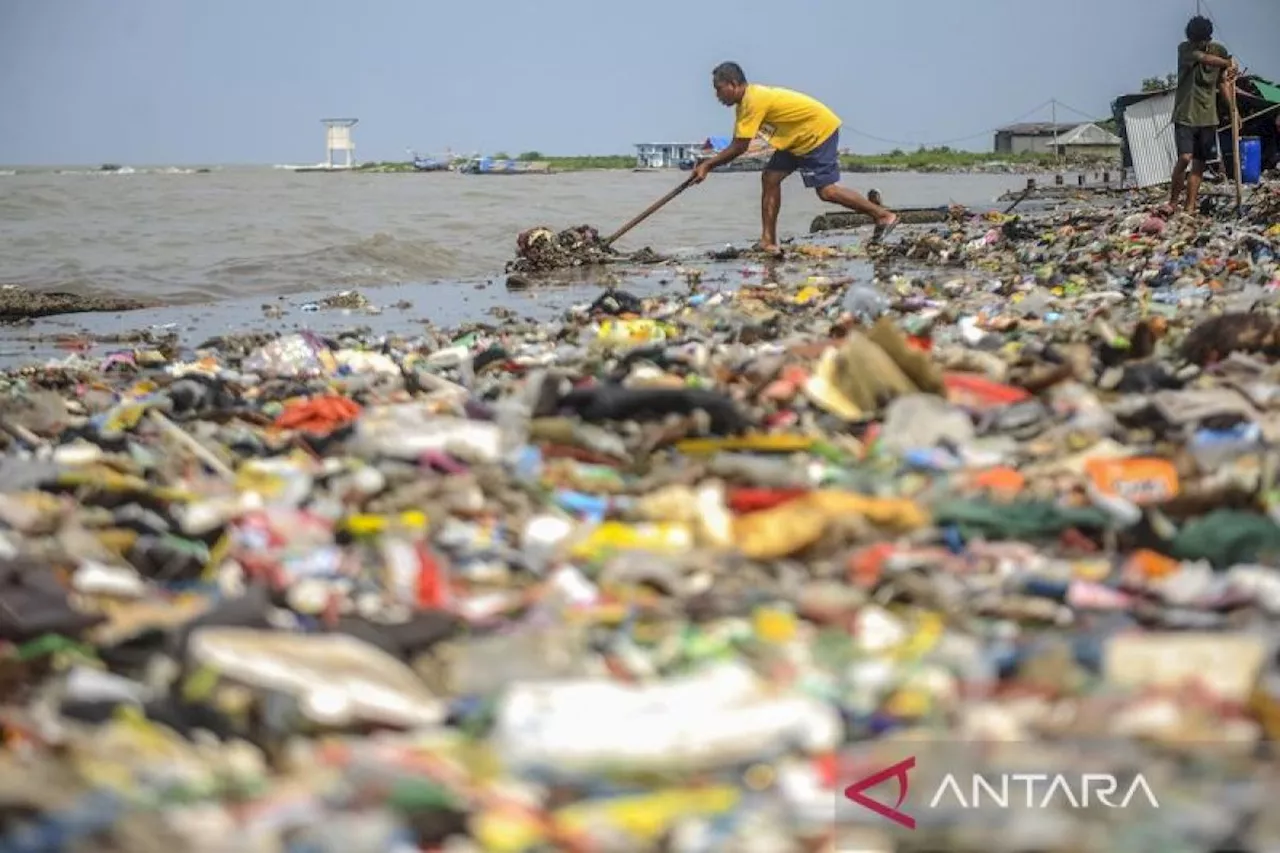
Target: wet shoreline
195 239
398 309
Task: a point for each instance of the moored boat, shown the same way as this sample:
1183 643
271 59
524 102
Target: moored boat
490 166
430 164
745 163
753 161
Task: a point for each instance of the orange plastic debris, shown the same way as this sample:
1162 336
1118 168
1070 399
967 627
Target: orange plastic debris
866 566
318 415
978 392
920 343
1004 481
1142 481
1150 565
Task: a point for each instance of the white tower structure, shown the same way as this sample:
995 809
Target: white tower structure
338 139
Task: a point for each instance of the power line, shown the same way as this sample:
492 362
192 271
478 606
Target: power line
1210 14
981 133
1080 113
917 142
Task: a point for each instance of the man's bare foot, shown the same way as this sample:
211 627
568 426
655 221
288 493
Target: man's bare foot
884 226
767 247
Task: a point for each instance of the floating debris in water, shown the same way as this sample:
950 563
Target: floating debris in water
541 250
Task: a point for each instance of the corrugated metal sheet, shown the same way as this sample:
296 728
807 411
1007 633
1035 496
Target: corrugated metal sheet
1149 130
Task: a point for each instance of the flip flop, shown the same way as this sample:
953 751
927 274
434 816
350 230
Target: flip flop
883 231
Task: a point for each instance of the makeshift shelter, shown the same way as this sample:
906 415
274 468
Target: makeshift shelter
1089 140
1144 122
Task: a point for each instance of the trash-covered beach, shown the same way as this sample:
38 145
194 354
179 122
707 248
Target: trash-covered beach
670 567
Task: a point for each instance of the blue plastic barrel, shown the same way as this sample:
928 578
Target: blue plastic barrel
1251 160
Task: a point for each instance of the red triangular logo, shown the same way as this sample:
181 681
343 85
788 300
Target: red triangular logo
854 793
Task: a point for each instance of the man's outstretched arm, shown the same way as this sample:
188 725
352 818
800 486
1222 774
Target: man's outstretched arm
732 151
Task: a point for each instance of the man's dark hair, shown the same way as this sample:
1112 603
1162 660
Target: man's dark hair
1199 28
729 72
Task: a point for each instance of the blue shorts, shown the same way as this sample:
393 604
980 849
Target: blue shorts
819 168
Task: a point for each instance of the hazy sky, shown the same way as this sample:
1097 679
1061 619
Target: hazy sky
246 81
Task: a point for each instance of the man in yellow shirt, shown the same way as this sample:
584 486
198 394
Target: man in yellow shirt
805 135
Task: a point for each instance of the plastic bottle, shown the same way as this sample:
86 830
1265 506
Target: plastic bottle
720 716
408 430
865 302
1213 448
354 832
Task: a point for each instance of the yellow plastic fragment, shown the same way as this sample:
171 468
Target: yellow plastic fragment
779 443
647 817
364 524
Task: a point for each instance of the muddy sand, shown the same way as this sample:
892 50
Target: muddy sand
17 303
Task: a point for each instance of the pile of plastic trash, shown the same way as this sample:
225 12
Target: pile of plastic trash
541 249
703 571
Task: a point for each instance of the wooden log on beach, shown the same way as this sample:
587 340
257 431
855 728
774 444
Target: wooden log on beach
842 220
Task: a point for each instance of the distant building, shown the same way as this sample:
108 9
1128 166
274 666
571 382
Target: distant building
1089 140
1033 138
664 155
337 141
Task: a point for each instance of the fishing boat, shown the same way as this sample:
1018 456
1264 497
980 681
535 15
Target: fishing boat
430 164
753 161
490 166
742 164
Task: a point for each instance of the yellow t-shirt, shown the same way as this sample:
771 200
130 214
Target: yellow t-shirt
789 121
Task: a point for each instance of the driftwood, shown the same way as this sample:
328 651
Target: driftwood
841 220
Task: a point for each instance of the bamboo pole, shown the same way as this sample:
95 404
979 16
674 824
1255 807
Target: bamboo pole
649 211
1235 141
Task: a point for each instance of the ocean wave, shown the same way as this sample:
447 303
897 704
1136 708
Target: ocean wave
22 203
380 259
372 261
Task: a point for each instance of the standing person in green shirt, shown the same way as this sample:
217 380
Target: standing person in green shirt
1201 63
